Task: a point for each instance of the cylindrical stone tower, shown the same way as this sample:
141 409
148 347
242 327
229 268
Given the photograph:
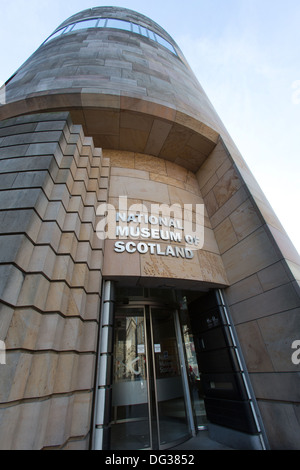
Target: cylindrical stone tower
108 107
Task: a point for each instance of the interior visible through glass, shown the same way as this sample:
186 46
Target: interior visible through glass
171 409
157 395
130 416
196 386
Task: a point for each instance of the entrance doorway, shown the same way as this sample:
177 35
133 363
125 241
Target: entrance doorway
150 400
174 367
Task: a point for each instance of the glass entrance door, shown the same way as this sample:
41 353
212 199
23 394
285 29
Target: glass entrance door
130 414
172 417
148 393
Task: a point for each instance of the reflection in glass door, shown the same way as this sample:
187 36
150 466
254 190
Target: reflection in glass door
195 382
130 414
148 394
172 419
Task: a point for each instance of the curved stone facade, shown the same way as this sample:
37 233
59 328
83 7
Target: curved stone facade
93 115
127 91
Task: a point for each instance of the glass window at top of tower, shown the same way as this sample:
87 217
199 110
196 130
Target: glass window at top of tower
144 31
58 33
151 35
165 43
118 24
135 28
69 28
101 22
85 24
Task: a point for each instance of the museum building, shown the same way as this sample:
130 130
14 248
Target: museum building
148 291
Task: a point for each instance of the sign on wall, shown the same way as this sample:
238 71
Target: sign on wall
163 231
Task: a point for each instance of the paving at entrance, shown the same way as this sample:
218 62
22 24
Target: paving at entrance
202 442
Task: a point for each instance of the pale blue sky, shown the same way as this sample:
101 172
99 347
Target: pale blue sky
245 54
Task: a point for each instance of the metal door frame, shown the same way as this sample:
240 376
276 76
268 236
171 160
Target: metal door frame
183 374
147 305
103 384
